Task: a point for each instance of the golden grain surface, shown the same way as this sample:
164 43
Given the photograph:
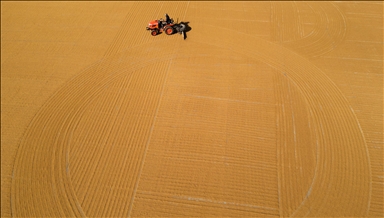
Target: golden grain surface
265 109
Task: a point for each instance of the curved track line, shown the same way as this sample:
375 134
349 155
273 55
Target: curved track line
80 93
329 32
282 141
67 106
148 141
332 115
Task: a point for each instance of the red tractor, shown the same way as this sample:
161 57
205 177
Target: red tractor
167 26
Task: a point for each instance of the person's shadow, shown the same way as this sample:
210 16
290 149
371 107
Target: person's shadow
187 28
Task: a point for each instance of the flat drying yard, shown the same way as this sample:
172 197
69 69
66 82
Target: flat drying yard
264 109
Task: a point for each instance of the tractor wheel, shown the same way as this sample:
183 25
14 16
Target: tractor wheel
154 32
168 30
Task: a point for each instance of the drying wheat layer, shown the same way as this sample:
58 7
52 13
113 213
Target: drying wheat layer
255 109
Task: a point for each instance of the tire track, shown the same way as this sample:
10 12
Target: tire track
113 183
96 185
104 152
197 142
149 139
291 147
324 99
70 101
113 49
51 130
329 32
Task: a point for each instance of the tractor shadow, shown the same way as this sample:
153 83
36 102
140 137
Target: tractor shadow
187 28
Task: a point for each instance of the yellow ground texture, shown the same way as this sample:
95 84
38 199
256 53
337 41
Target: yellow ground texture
265 109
